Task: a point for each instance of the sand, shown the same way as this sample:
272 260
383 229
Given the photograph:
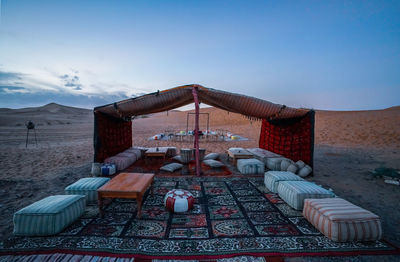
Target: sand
348 146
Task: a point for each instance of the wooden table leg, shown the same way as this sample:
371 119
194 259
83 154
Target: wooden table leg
100 203
139 205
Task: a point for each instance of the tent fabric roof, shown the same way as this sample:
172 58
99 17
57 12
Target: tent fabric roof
179 96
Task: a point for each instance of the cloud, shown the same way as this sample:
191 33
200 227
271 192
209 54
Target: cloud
71 81
29 99
29 83
12 89
39 87
10 76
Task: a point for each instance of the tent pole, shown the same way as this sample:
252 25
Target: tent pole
196 130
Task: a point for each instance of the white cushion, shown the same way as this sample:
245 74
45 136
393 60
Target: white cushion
171 167
212 156
213 163
305 171
292 168
300 164
177 158
274 163
285 164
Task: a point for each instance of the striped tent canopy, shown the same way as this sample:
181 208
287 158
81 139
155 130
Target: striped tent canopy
179 96
286 131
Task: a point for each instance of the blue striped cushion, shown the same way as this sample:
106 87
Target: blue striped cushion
49 216
250 166
272 179
87 186
294 192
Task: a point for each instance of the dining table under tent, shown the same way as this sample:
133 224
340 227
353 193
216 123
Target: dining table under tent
286 131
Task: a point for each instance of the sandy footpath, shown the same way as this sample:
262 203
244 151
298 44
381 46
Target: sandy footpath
348 146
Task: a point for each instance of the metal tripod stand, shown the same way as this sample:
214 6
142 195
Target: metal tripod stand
30 126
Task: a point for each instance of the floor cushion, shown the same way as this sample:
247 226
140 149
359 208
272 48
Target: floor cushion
121 162
294 192
304 171
262 154
136 151
48 216
213 163
274 163
212 156
186 155
342 221
250 166
87 186
171 167
179 200
177 158
130 154
108 169
272 179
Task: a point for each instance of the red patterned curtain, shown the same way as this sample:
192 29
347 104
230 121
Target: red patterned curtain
291 138
111 136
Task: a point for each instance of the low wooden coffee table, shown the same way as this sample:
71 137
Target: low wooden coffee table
239 153
126 185
155 152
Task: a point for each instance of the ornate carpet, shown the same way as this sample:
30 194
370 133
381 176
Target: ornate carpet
231 216
153 166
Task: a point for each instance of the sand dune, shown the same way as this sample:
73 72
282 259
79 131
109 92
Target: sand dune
375 128
45 115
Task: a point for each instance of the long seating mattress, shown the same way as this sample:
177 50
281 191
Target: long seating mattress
341 220
250 166
87 186
48 216
272 179
294 192
121 162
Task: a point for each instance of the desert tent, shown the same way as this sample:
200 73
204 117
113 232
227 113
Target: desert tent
286 131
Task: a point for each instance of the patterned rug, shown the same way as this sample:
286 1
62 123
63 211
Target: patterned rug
153 166
231 216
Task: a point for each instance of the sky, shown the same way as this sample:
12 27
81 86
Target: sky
333 55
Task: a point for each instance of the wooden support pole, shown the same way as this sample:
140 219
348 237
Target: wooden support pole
196 130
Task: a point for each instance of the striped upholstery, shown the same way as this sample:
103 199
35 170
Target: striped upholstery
274 163
294 192
87 186
128 154
272 179
262 154
250 166
342 221
136 151
121 162
48 216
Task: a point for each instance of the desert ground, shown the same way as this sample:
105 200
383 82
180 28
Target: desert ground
349 145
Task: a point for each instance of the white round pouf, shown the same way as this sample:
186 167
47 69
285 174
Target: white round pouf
179 200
